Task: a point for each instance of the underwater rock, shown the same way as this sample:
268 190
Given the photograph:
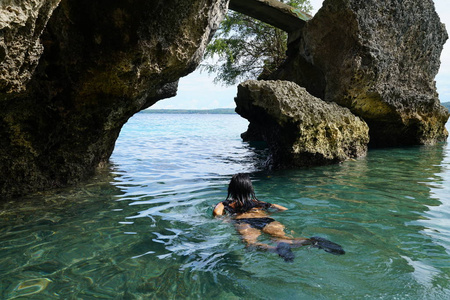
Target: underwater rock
300 129
67 86
378 58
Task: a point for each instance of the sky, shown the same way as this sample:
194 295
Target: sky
197 90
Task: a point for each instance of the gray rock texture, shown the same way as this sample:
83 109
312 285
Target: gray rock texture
21 26
379 58
73 72
300 129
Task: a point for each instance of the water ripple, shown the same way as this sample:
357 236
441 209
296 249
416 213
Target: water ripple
144 230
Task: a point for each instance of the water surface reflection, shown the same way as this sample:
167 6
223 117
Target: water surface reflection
144 228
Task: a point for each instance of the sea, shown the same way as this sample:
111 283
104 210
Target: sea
143 227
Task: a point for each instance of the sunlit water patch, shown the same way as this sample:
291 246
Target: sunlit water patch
143 229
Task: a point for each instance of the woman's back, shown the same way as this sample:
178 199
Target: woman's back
253 209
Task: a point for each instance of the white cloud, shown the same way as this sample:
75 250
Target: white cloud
316 4
197 91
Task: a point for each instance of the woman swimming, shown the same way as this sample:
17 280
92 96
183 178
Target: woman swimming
251 218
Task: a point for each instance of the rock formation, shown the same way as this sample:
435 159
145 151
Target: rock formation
300 129
379 58
73 71
21 26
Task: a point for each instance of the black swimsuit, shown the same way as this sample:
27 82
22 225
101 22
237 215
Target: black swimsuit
258 223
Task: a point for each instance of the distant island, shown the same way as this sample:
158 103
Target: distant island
190 111
212 111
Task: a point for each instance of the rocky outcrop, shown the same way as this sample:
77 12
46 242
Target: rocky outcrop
379 58
21 26
73 72
273 12
300 129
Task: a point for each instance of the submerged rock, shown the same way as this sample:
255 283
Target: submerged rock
378 58
73 72
300 129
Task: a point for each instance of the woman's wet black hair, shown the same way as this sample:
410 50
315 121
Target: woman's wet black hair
241 190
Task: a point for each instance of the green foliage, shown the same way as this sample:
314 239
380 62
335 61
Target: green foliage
245 48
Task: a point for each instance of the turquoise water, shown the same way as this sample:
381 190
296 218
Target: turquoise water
143 229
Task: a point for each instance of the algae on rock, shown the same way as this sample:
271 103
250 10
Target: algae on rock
300 129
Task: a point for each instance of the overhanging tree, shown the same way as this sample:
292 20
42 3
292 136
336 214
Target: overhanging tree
245 48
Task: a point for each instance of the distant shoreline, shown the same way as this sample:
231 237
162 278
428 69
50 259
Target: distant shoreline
213 111
190 111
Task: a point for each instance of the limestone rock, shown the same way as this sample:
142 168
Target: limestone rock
21 25
300 129
68 85
379 58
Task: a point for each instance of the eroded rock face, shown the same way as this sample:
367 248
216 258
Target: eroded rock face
68 85
379 58
300 129
21 26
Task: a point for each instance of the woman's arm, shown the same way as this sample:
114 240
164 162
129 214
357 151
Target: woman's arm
219 209
279 207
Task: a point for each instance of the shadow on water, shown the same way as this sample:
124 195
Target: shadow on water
90 242
144 228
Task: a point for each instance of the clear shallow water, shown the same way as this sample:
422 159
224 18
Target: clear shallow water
143 229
